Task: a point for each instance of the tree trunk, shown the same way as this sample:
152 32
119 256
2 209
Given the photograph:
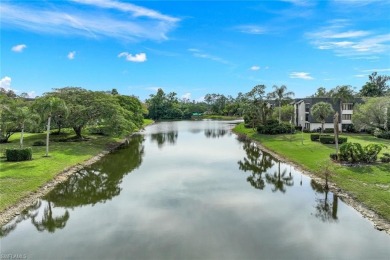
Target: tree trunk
47 135
336 133
77 130
21 137
280 112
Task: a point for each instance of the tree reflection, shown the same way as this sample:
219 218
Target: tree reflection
280 179
325 211
49 222
99 182
215 133
257 162
25 214
162 138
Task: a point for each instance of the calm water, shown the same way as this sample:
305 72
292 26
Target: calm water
190 190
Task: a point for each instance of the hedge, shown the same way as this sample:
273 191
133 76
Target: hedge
316 137
16 155
330 140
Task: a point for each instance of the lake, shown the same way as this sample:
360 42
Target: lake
191 190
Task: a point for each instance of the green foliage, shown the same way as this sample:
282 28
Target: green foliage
385 158
330 139
316 137
39 143
354 152
321 111
376 86
273 127
16 155
373 113
383 134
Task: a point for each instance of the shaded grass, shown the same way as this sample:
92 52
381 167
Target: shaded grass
369 184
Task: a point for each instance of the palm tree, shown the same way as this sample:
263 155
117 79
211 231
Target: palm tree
23 116
46 106
321 111
280 179
280 94
344 94
49 222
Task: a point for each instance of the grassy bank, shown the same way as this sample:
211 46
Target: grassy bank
369 184
19 179
219 117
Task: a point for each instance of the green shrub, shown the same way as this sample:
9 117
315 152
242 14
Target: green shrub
384 135
272 127
329 139
385 158
316 137
354 152
371 152
351 152
16 155
333 156
39 143
329 130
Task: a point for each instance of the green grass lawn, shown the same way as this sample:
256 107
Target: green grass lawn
19 179
369 184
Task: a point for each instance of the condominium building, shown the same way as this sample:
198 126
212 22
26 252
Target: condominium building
304 118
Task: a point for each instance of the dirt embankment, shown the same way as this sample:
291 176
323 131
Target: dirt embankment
378 222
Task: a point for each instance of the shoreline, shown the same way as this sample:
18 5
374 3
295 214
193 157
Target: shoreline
378 222
14 210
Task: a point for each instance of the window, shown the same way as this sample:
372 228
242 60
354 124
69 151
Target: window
346 117
307 107
307 117
347 106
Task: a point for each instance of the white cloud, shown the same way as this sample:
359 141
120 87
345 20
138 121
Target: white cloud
19 47
377 70
200 54
140 57
361 75
5 83
251 29
301 75
352 43
133 22
303 3
71 55
254 68
186 96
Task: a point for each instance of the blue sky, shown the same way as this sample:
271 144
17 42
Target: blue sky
192 47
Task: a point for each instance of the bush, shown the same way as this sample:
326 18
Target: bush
16 155
354 152
316 137
39 143
333 156
272 127
384 135
385 158
329 139
298 128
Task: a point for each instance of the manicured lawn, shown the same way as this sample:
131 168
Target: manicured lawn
368 184
18 179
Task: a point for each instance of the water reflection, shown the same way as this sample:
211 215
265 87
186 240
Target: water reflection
215 133
162 138
256 162
48 221
326 211
279 179
94 184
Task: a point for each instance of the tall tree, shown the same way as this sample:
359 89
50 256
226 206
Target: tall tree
46 106
373 113
321 93
376 86
280 94
321 111
343 93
